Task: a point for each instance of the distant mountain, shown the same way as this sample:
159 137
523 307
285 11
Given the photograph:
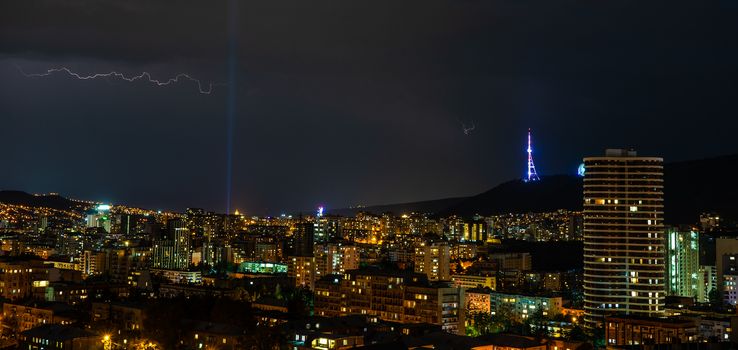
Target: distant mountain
49 201
551 193
698 186
431 206
690 188
547 256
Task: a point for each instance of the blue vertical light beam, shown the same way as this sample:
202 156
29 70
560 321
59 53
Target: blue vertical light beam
231 102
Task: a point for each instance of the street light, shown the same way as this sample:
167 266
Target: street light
107 343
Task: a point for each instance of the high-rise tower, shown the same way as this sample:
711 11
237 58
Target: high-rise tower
303 238
683 275
532 174
623 235
174 251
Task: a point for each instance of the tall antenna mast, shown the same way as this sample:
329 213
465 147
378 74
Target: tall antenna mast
532 174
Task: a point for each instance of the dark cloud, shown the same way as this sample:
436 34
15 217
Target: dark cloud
346 102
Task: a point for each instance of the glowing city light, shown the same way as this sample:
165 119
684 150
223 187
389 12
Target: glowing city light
532 174
580 170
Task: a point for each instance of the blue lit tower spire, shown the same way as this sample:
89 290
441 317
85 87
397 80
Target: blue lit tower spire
532 174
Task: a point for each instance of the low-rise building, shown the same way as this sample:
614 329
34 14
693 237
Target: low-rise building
463 250
478 300
74 293
270 304
516 261
120 315
22 317
441 340
715 328
262 267
521 306
328 341
641 330
472 281
175 290
64 265
179 276
17 276
391 296
209 335
54 336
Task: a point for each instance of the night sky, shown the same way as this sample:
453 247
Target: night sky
353 102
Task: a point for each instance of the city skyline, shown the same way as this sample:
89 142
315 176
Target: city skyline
384 103
712 163
347 174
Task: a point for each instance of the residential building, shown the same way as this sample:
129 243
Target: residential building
335 258
478 300
18 275
54 336
174 251
730 278
643 330
391 296
472 281
303 239
624 252
512 261
303 270
521 306
433 260
683 277
22 317
179 276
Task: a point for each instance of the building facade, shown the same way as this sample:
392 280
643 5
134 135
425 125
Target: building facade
683 277
521 306
433 260
174 252
303 239
623 235
391 296
478 300
643 330
303 270
17 277
335 258
471 281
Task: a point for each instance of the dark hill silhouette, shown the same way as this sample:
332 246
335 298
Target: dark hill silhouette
706 185
549 194
431 206
49 201
691 188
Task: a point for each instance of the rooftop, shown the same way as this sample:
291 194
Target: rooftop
58 332
509 340
214 328
673 321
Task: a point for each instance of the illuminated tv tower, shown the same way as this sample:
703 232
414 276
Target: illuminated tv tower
532 174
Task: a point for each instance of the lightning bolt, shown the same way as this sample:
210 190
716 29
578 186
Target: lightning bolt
145 76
